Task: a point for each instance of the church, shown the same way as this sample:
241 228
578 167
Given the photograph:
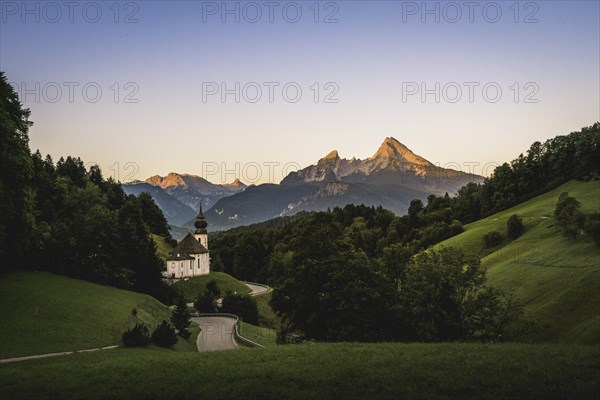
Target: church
190 257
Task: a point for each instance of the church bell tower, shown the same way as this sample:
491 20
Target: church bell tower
200 233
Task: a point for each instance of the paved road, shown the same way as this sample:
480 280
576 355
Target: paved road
64 353
257 289
217 333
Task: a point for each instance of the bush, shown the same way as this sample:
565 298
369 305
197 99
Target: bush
241 305
164 335
456 227
212 289
204 303
514 226
492 239
138 336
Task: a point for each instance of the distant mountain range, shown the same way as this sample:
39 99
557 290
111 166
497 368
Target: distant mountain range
392 177
179 195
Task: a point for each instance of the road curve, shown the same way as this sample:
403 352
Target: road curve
257 288
218 333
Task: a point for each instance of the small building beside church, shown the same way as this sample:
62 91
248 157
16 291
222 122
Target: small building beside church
190 257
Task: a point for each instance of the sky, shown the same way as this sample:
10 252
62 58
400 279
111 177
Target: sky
254 90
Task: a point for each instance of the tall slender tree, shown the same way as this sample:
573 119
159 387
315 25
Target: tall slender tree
181 318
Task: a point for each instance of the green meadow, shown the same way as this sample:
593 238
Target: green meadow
316 371
45 313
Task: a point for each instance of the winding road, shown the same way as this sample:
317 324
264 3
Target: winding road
218 333
257 288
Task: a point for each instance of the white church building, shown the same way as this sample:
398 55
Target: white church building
190 257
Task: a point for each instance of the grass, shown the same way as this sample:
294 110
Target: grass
162 247
197 285
266 316
264 336
46 313
316 371
557 279
189 344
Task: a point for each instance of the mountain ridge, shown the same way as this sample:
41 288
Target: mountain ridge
392 177
180 195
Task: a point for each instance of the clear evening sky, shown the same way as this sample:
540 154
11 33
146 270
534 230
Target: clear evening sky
161 67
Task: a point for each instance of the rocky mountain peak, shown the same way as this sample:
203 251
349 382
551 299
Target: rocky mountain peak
236 183
392 149
333 155
171 180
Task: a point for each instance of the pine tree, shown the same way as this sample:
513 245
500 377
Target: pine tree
181 318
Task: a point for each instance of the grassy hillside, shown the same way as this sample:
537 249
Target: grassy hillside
266 316
264 336
45 313
557 279
192 287
162 247
316 371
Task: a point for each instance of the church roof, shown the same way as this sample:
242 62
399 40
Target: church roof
189 245
179 256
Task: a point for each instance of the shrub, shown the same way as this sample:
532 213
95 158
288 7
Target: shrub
164 335
138 336
514 226
241 305
456 227
204 303
212 289
492 239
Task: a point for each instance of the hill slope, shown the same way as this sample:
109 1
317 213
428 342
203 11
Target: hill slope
45 313
557 279
195 286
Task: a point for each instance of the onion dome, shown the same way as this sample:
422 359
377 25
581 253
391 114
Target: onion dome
200 223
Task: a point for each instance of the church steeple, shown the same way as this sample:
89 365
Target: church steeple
200 233
200 223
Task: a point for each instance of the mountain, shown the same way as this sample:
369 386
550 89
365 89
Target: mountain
391 178
175 212
191 189
392 164
179 195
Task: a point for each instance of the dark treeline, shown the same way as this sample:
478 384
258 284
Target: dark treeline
545 166
67 219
